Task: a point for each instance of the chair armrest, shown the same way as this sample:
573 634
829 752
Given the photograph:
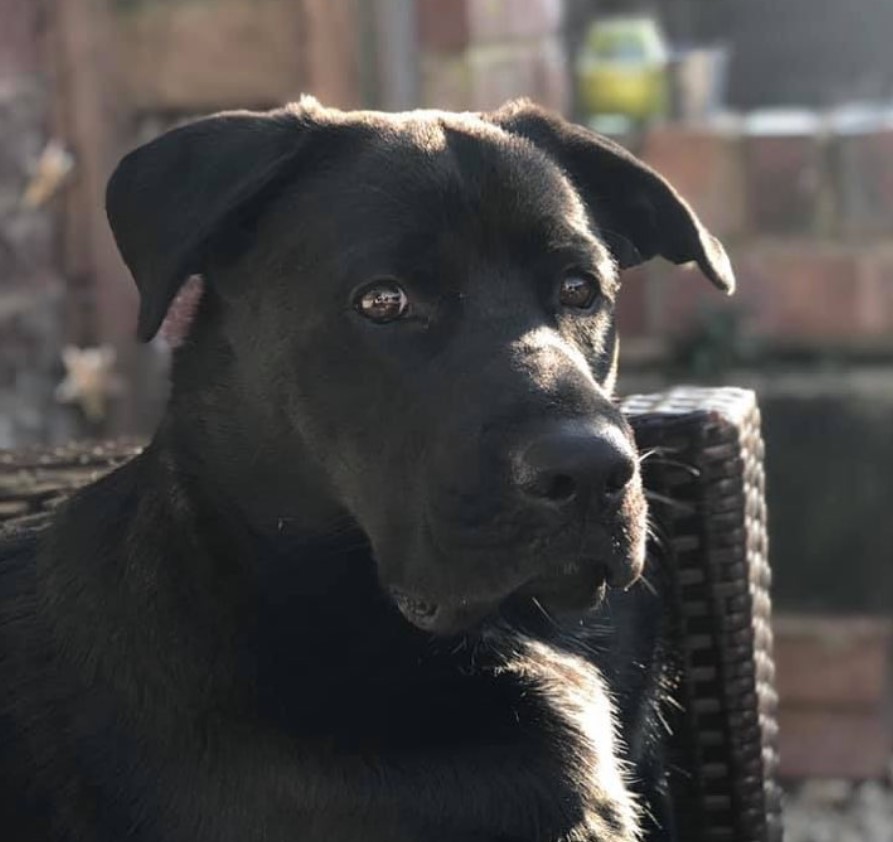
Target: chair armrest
33 480
704 474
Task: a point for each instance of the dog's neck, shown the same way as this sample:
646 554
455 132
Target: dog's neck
233 450
242 613
228 509
231 623
238 610
256 506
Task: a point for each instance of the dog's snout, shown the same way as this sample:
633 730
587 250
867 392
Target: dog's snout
560 467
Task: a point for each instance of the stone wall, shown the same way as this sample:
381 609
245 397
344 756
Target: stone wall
30 287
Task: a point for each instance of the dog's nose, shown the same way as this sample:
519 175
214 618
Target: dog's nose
561 467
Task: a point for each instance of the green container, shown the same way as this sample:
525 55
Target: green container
622 69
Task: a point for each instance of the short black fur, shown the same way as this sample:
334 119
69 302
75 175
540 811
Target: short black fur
331 600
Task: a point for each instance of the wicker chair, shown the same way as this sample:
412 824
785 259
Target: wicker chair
705 481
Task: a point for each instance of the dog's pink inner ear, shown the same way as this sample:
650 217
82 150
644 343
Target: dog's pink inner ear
181 313
168 199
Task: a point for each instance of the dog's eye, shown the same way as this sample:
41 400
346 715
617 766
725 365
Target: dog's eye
382 302
579 290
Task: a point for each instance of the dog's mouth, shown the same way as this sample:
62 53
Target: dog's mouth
577 588
441 617
453 587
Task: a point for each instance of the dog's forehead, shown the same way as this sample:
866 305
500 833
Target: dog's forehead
463 153
432 173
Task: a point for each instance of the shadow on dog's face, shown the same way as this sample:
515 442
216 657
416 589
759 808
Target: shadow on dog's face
417 311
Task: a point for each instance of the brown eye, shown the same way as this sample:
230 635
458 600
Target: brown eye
382 302
578 290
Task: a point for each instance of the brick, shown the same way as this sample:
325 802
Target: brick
706 166
551 81
482 78
445 82
498 73
632 304
679 298
837 663
784 180
331 48
863 180
442 25
807 291
535 69
190 57
493 21
876 301
452 25
802 291
835 704
789 293
823 743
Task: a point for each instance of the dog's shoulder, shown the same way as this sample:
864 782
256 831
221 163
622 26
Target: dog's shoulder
18 545
22 670
20 541
47 709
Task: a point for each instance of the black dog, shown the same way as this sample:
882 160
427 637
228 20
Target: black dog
347 592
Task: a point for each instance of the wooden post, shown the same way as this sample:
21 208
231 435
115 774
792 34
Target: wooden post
88 118
89 121
18 45
333 51
396 59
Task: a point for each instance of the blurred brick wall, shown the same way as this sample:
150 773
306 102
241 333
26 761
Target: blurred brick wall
197 56
203 56
475 54
835 679
808 222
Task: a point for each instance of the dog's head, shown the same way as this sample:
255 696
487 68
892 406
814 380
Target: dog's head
411 320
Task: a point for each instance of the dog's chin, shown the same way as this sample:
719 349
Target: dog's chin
554 586
443 617
579 589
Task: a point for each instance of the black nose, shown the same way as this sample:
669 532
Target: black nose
562 466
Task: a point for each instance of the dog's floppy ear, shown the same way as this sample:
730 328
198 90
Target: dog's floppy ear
640 215
168 198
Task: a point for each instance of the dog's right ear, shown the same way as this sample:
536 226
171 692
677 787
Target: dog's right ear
167 199
638 211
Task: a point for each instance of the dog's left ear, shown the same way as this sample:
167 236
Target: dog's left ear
169 199
638 213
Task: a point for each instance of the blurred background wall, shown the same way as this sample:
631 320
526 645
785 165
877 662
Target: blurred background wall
773 117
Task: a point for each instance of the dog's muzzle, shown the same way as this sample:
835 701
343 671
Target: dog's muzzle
561 479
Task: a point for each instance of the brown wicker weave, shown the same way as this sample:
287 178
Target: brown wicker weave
705 478
34 480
